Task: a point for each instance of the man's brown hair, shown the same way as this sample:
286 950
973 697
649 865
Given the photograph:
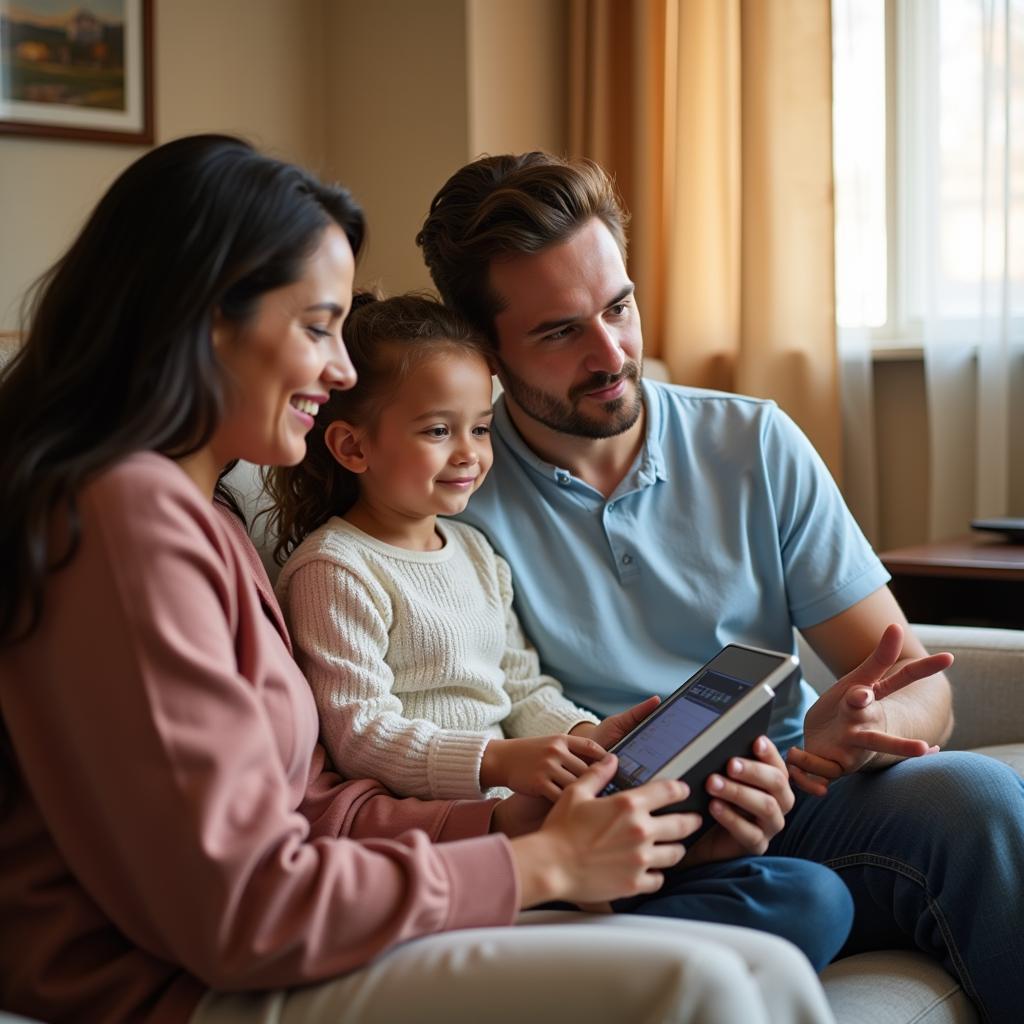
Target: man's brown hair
501 206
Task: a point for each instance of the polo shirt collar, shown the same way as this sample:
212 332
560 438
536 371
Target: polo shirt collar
650 467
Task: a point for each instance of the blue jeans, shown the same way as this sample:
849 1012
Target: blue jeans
932 851
804 902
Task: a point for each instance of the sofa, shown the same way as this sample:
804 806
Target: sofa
889 986
896 986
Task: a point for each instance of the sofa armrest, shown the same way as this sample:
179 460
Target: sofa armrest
987 679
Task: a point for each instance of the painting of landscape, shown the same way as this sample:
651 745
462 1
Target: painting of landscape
70 64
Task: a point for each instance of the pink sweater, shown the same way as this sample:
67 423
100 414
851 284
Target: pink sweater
177 827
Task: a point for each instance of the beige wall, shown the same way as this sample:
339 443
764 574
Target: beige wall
249 67
397 120
418 89
388 96
518 74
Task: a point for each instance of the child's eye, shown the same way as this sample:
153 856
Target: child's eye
437 431
482 430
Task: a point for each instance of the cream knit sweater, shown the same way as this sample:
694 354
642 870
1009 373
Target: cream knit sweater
416 658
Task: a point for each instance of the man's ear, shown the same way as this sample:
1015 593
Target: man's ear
491 355
345 443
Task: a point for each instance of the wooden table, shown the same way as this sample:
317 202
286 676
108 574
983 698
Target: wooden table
974 580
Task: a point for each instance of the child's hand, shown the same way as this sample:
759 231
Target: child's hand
538 766
614 727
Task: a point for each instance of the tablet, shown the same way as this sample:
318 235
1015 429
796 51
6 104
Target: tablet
716 714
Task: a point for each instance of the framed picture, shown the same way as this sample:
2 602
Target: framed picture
77 69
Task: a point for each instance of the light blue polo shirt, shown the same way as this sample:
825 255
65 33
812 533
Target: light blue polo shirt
727 528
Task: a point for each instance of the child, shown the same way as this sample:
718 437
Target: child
403 623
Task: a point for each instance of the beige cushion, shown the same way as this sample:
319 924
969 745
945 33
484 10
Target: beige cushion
894 987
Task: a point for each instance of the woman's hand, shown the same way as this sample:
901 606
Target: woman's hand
538 765
847 729
592 849
519 815
749 804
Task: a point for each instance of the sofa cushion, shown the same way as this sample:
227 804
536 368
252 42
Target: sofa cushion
894 987
1011 753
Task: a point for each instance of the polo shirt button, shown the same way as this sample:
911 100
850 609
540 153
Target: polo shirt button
611 506
563 479
627 559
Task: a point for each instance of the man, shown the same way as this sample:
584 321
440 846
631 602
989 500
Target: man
647 525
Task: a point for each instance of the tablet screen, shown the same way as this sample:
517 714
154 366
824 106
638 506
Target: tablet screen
669 730
700 701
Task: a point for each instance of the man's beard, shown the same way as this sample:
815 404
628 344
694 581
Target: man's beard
564 416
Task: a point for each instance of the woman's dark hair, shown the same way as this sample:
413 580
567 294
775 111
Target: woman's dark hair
118 356
386 339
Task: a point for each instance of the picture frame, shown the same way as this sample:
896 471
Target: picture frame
74 70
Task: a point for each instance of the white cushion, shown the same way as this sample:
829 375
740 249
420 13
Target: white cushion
894 987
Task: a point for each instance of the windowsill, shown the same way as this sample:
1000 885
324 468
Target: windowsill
897 354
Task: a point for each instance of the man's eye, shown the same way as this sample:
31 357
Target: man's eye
562 332
318 332
619 308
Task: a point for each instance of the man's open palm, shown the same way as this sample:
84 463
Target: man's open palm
847 729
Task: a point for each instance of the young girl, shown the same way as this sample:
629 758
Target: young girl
403 621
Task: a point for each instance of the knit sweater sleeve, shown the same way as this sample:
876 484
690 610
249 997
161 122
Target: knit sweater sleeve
340 626
539 707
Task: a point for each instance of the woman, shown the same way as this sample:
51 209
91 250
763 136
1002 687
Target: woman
174 846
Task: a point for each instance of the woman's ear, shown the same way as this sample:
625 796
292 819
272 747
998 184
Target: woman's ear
221 330
345 443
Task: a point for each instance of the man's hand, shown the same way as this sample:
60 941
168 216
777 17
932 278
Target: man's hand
749 804
847 729
538 765
614 727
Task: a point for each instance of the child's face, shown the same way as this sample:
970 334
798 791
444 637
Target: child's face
431 446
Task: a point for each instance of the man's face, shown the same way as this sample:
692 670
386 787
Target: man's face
569 343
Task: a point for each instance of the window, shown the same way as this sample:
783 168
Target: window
929 166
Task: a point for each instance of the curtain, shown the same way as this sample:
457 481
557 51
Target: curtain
971 215
859 146
715 117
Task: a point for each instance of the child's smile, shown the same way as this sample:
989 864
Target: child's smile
429 450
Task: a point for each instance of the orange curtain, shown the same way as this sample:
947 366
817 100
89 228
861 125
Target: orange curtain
716 118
